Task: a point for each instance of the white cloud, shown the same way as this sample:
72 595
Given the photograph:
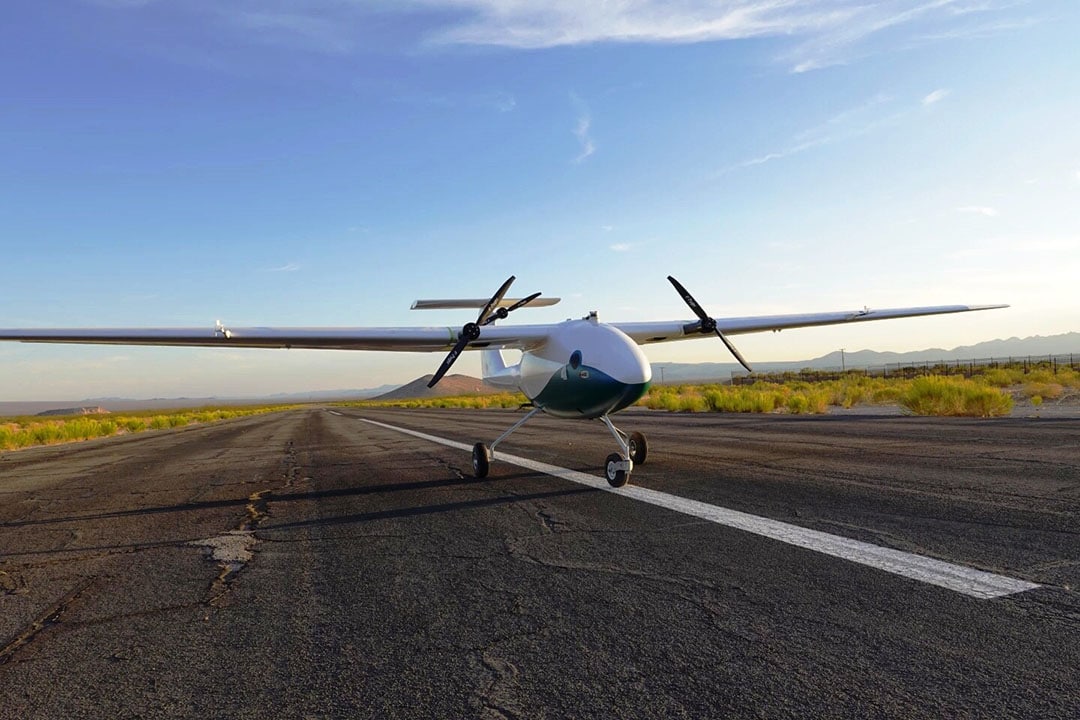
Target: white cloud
288 267
816 33
581 130
622 247
935 97
853 122
978 210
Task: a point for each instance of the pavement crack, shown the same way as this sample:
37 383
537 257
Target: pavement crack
458 472
42 622
497 698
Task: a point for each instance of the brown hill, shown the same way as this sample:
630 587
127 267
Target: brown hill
449 385
75 411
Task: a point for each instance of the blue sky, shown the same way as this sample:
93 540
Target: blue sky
278 162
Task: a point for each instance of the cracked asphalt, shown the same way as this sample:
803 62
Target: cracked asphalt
308 565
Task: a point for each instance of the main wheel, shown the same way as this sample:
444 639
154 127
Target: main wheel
616 476
639 448
480 462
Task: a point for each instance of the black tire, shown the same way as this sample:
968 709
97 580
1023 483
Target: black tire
616 476
639 448
480 463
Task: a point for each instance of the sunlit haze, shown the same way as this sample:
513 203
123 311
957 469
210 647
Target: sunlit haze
284 163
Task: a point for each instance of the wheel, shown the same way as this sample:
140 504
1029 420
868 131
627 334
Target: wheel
616 476
639 448
480 462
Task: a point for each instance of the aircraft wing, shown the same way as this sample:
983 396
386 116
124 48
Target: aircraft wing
645 333
415 339
436 339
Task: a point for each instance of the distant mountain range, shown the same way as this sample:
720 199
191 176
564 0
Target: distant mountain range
1036 346
449 385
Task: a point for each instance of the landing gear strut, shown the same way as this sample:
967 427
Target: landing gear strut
482 455
634 450
617 467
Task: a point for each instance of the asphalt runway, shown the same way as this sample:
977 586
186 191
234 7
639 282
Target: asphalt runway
311 564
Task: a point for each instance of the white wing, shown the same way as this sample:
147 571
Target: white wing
414 339
666 331
441 339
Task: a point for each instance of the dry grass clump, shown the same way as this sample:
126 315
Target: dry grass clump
948 396
22 432
760 397
475 402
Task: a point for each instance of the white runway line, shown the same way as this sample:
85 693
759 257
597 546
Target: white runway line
969 581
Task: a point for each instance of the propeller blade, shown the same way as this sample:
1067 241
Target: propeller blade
501 313
471 331
522 302
707 324
463 340
481 319
689 299
736 353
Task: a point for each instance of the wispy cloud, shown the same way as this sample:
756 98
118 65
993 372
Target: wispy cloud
499 102
815 33
981 30
288 267
309 31
983 210
935 97
505 103
582 130
852 122
622 247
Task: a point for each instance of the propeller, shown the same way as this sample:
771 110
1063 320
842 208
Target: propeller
706 324
471 331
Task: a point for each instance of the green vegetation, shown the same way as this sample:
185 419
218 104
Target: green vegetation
988 392
27 431
931 395
476 402
934 395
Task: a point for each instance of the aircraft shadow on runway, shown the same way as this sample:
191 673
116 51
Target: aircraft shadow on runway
318 495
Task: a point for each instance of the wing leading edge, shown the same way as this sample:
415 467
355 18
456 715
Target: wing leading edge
435 339
402 339
645 333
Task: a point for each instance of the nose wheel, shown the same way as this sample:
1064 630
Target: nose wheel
638 448
634 448
617 470
481 460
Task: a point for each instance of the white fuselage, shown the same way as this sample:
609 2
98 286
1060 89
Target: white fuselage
584 369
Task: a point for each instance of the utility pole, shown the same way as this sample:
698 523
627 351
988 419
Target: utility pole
843 365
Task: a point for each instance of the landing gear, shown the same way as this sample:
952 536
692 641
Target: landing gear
615 470
638 448
617 467
482 455
634 450
481 460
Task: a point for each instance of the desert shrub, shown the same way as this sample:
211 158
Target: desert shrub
1048 390
948 396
